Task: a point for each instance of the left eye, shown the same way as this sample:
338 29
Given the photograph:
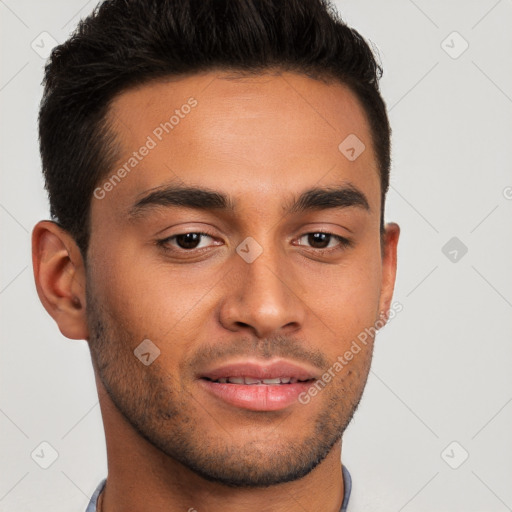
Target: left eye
321 240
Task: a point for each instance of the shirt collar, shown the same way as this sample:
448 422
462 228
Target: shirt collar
347 485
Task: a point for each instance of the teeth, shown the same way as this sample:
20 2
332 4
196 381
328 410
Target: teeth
272 381
251 381
236 380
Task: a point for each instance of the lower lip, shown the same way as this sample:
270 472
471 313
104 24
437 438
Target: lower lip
257 397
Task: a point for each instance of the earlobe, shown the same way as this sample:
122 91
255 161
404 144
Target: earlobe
59 275
389 265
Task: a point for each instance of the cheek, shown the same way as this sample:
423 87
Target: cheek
148 297
346 296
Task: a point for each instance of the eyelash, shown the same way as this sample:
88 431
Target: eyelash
344 243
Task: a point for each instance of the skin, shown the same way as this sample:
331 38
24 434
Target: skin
261 140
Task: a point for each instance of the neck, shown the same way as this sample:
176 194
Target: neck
141 477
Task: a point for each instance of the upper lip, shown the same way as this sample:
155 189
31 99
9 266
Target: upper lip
255 370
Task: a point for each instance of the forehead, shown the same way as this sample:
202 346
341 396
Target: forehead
258 137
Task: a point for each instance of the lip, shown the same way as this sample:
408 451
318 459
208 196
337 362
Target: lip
258 397
256 370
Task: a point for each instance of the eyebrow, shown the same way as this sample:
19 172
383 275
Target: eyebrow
318 198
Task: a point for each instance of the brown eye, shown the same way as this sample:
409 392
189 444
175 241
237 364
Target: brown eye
188 240
319 240
324 241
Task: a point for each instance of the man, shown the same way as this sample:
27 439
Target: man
217 174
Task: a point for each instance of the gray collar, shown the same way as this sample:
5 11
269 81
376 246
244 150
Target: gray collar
347 483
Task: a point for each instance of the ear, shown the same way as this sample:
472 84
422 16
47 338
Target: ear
389 258
59 274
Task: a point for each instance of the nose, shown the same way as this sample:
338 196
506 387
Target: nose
262 297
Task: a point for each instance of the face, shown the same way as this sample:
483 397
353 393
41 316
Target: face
214 270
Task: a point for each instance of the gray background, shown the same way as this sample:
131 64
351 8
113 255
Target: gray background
440 387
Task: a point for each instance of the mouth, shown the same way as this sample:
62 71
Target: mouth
250 381
258 387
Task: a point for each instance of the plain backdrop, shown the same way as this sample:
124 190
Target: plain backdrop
433 431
